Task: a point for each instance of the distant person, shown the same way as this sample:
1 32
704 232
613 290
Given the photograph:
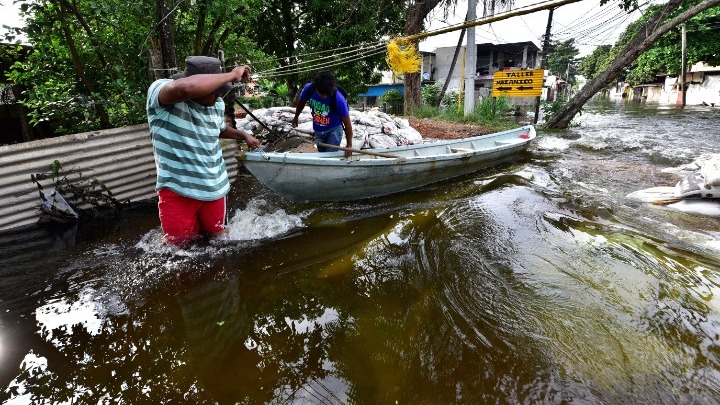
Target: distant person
330 112
187 119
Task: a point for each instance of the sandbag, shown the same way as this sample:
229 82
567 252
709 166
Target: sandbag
382 141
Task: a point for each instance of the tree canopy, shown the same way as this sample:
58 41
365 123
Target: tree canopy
591 65
91 62
664 57
561 59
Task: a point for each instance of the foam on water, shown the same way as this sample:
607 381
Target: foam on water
259 220
552 143
131 271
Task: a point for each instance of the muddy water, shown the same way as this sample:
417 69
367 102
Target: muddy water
536 281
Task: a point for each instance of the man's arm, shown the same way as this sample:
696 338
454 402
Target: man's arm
199 85
347 126
232 133
298 109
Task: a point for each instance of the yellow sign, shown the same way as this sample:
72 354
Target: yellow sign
517 83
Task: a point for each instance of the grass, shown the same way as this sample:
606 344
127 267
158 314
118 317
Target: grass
485 114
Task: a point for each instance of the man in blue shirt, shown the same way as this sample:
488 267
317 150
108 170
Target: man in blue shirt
187 119
330 112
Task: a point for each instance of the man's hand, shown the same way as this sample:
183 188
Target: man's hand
251 141
295 122
242 73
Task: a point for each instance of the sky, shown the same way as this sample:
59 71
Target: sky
586 21
9 16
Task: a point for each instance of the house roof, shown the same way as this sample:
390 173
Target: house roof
376 90
513 47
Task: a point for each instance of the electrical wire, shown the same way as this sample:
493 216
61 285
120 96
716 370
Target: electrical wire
333 56
158 24
332 63
376 43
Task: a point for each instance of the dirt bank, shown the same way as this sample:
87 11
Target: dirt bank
435 129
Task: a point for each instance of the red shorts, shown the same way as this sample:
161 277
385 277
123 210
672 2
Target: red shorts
184 218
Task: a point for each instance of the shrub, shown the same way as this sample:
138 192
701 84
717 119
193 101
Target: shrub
430 93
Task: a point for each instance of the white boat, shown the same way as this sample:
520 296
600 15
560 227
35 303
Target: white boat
329 176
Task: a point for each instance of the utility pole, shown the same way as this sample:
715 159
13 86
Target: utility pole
470 60
545 49
684 65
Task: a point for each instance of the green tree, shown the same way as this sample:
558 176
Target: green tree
305 36
561 59
669 16
92 62
83 72
417 12
664 57
590 66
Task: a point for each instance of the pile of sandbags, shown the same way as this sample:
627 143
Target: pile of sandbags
703 179
371 129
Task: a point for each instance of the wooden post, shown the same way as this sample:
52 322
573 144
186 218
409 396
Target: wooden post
471 61
546 47
683 87
462 82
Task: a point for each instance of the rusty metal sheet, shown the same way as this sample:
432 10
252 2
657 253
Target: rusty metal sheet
121 158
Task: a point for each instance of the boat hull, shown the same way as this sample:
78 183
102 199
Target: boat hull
330 177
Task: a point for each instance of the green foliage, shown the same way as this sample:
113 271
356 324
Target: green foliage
488 112
549 109
90 65
430 92
561 60
664 57
392 97
98 42
450 100
272 93
426 111
310 35
626 5
590 66
395 101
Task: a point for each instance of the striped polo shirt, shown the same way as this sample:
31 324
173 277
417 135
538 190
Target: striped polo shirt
186 144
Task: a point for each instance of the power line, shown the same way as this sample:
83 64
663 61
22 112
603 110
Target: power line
333 56
338 62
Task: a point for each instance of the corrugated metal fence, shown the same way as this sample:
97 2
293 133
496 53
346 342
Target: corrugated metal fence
121 158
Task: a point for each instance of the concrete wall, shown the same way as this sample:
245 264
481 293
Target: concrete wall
705 89
122 158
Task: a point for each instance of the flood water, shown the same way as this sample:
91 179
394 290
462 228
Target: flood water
535 281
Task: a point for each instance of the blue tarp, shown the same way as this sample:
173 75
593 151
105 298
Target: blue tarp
377 90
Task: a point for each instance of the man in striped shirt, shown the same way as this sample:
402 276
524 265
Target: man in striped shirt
186 117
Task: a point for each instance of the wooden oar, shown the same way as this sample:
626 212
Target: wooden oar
326 145
367 152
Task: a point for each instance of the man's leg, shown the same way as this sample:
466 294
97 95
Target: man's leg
320 137
331 137
178 216
213 216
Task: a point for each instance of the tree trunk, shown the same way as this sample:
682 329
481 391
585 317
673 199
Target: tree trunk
27 132
414 25
166 36
452 68
650 32
80 71
88 31
200 27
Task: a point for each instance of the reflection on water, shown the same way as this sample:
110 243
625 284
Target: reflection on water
537 281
